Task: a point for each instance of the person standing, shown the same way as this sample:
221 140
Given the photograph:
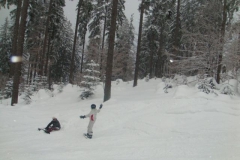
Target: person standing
92 119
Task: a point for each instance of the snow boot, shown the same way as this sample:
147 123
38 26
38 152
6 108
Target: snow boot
89 136
46 131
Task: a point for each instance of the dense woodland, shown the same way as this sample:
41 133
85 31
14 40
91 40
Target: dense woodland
184 37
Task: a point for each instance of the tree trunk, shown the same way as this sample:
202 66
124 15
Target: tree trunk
151 65
103 41
104 27
107 90
176 42
31 72
48 71
47 55
83 53
41 72
74 43
15 35
139 45
224 14
36 65
158 71
18 65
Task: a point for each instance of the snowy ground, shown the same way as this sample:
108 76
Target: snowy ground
141 123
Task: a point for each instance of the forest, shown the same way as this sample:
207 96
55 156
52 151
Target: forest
38 47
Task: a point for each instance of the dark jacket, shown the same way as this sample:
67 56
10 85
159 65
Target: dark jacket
54 123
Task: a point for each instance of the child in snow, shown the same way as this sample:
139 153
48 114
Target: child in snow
92 119
54 125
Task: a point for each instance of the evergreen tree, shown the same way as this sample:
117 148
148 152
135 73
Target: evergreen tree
161 12
28 92
16 16
123 57
156 33
80 2
149 48
107 89
5 48
18 65
8 3
61 54
34 38
142 7
85 16
90 79
101 23
55 41
7 91
228 8
94 49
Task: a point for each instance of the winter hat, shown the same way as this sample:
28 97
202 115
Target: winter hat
93 106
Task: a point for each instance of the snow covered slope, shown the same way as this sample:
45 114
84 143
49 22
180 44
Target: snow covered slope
140 123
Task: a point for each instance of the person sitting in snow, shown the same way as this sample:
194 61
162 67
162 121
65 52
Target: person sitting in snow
54 125
92 119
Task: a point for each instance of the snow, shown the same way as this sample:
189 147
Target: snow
137 123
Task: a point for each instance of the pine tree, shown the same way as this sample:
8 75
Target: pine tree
34 39
8 3
18 65
86 13
228 8
7 91
28 92
90 79
107 89
61 54
149 47
74 43
161 13
16 16
101 23
142 7
5 48
123 57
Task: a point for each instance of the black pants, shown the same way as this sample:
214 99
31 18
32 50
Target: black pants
50 129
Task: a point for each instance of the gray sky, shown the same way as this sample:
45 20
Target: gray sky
131 7
4 12
70 12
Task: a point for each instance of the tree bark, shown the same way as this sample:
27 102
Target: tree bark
107 90
15 35
139 45
104 26
18 65
74 43
103 41
176 34
224 14
151 65
158 71
47 58
41 72
83 50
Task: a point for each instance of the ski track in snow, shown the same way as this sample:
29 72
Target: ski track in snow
140 123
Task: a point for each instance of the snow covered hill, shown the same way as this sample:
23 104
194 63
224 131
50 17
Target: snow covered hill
140 123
